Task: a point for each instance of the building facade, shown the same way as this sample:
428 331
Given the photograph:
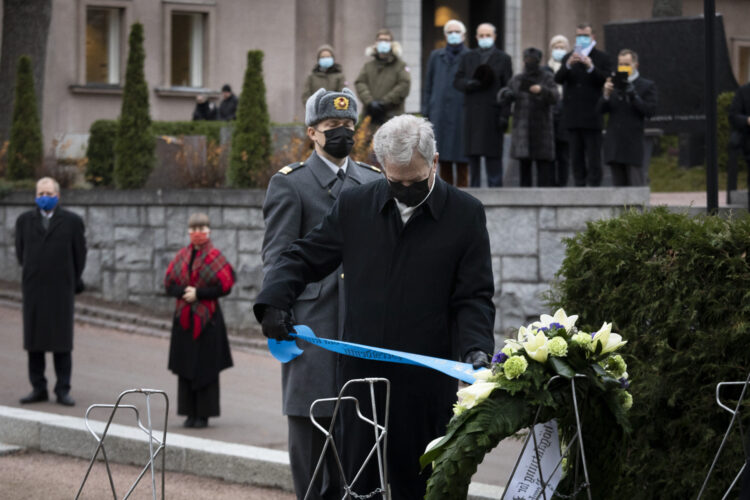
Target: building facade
196 46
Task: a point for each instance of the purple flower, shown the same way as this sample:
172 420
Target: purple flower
624 383
557 325
500 357
544 329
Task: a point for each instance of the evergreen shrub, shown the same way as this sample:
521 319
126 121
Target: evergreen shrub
101 152
251 139
25 150
135 143
678 290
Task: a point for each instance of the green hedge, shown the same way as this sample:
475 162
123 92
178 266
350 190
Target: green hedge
678 290
211 129
25 145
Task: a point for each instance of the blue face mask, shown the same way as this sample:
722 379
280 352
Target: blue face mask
486 43
453 38
46 203
583 40
384 47
558 54
325 62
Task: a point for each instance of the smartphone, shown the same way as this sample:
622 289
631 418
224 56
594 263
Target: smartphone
620 80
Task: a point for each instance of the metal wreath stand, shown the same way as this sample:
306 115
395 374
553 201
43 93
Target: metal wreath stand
148 430
378 449
544 481
734 419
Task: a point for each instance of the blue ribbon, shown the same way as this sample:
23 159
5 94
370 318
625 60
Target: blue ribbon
287 350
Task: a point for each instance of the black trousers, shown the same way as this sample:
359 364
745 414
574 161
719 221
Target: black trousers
562 162
63 368
305 446
586 156
494 165
545 173
202 402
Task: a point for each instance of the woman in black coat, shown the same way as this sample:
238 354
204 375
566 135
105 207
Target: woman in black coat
199 348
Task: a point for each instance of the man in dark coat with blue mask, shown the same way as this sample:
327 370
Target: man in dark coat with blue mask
51 249
298 198
416 256
443 105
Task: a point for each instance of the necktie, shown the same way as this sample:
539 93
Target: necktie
338 184
341 174
45 222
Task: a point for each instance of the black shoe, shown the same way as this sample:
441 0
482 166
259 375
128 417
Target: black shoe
35 396
65 400
201 422
189 422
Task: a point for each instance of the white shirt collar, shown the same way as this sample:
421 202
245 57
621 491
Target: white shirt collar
633 77
335 168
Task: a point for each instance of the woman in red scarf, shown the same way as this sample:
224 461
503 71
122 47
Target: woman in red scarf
199 348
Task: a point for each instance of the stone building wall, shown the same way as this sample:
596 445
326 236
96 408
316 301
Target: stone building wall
132 236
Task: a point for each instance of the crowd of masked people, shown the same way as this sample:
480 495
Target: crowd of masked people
555 111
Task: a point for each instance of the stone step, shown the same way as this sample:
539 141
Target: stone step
9 449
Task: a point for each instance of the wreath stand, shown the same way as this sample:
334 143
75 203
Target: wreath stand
734 419
581 460
147 429
378 449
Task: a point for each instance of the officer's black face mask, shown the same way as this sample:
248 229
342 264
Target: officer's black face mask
339 141
411 195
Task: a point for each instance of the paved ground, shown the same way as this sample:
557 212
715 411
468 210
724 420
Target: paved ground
686 199
33 475
106 362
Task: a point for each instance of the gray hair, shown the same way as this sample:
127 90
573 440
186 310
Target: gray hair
494 30
55 184
399 138
454 21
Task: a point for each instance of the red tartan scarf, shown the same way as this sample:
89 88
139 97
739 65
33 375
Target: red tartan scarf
210 268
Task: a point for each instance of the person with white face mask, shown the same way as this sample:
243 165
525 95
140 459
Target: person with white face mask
558 47
442 104
482 72
326 74
384 82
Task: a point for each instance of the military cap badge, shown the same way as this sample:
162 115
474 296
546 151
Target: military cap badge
341 103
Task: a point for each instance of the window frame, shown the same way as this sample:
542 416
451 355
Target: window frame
208 11
125 8
737 44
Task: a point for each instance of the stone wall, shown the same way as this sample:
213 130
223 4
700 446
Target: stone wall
132 236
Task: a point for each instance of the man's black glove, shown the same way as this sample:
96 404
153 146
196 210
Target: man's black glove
473 84
277 324
376 108
477 358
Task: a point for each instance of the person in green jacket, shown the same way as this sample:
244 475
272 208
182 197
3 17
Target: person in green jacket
326 74
384 82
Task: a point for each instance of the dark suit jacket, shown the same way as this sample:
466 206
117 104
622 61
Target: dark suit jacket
739 111
623 142
582 90
52 262
482 135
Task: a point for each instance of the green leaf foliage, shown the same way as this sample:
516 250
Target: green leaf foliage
25 150
101 152
251 139
678 290
135 143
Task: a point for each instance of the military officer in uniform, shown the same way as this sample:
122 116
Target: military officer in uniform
298 198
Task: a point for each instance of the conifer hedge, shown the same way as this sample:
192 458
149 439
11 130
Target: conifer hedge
678 290
101 152
251 139
25 150
135 143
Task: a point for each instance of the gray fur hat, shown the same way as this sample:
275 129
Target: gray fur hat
324 104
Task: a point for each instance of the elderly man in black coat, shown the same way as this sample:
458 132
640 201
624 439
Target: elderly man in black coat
416 257
582 74
482 72
51 249
629 99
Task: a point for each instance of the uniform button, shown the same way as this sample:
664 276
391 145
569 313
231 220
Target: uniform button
342 275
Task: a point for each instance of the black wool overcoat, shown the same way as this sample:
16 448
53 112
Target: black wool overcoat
623 142
739 112
425 287
52 263
582 90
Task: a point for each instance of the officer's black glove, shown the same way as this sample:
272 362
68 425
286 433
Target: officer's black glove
478 359
277 324
376 108
473 84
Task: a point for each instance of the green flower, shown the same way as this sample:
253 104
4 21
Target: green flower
581 338
515 366
508 350
625 399
616 366
557 347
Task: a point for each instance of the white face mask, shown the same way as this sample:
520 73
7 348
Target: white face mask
383 47
558 54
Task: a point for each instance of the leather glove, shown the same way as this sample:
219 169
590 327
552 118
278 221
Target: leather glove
478 359
376 108
277 324
472 85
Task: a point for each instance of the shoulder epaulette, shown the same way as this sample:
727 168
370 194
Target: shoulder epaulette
371 167
291 167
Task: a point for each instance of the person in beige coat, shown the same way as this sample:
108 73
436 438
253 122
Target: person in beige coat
326 74
384 82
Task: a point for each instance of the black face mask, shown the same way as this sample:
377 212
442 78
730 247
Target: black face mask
411 195
531 66
339 141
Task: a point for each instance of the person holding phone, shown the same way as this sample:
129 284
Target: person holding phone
582 74
629 99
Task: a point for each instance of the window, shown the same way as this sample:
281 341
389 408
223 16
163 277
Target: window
188 31
103 45
744 64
